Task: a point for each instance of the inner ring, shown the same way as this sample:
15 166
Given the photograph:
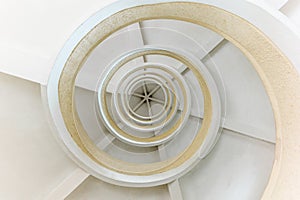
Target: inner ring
171 90
152 141
134 90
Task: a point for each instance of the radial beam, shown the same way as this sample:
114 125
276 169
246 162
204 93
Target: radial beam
238 127
175 190
105 142
173 187
276 4
211 47
68 185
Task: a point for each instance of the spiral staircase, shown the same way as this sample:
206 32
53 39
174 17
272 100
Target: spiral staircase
154 99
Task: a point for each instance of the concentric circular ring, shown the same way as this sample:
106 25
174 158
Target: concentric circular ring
169 100
142 82
107 118
167 170
208 87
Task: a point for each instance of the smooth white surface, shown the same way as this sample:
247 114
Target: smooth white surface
94 189
85 101
292 11
248 106
238 168
187 36
32 163
22 62
30 39
105 53
276 4
34 31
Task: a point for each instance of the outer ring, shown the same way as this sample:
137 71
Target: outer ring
166 169
282 83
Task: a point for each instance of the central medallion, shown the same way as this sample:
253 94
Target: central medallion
147 99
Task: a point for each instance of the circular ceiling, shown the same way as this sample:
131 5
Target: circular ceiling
144 99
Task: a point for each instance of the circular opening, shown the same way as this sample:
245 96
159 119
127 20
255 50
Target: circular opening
147 99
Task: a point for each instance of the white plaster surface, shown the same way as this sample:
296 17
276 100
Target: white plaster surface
292 10
238 168
32 163
34 31
248 106
94 189
276 4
